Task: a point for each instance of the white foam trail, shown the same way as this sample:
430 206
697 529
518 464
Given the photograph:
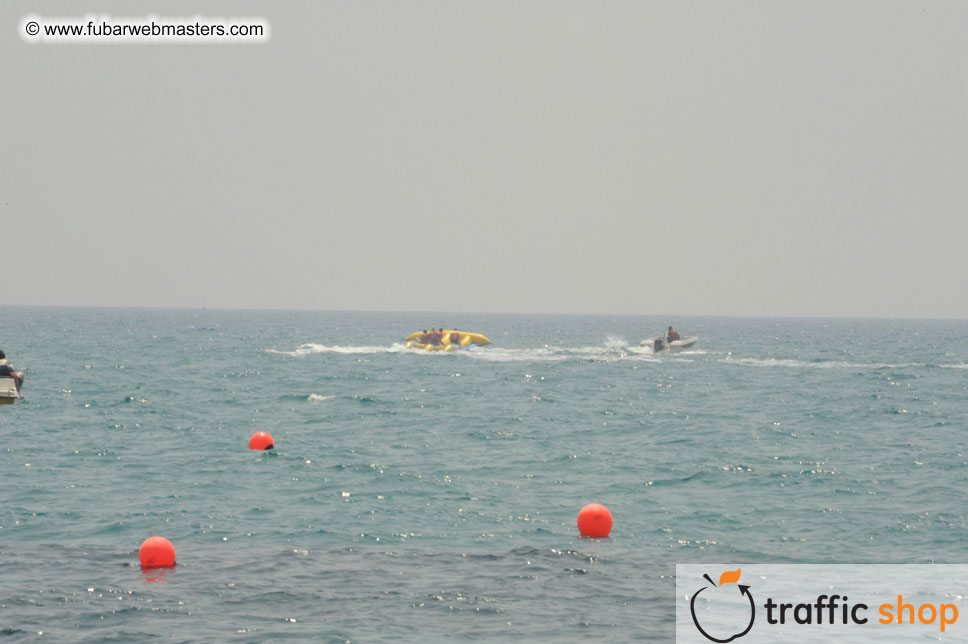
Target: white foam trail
549 353
613 350
615 343
312 349
830 364
500 354
786 362
316 398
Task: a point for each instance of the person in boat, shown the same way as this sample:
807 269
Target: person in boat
7 370
455 337
424 337
436 336
672 335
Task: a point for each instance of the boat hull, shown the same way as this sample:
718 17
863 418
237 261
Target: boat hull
439 347
8 391
659 344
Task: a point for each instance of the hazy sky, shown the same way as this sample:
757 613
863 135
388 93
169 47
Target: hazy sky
665 157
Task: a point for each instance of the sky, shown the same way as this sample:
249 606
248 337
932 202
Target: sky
755 158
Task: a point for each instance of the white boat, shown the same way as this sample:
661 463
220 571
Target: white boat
660 344
8 390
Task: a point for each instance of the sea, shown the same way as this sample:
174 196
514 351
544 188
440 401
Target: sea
432 497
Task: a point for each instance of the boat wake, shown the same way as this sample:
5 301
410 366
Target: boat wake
613 349
550 353
313 349
832 364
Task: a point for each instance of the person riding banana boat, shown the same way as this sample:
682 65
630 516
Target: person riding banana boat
445 340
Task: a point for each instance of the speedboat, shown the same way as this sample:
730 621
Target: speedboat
8 390
660 344
451 340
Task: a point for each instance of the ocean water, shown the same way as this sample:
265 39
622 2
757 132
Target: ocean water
433 497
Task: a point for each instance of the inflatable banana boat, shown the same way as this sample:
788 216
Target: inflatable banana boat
450 340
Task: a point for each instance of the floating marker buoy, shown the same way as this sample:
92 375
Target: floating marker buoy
261 440
594 520
157 552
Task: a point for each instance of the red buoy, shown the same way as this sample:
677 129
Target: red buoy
594 520
157 552
261 440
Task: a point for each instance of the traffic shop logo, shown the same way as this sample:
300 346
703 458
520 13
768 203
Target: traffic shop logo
740 604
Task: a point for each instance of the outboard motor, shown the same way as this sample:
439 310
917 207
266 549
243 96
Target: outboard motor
659 344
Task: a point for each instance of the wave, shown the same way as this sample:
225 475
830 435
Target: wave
615 343
588 354
614 349
835 364
312 349
316 398
786 362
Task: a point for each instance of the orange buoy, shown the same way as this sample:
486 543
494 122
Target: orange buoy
261 440
157 552
594 520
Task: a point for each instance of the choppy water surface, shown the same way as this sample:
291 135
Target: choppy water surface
433 496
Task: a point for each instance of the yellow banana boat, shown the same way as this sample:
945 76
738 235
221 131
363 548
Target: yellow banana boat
452 340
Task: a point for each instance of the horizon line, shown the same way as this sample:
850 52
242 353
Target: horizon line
441 312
